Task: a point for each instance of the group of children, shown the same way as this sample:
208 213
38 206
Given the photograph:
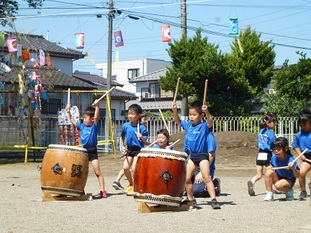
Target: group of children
200 146
282 168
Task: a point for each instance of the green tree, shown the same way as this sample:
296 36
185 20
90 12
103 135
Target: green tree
292 85
194 60
9 8
250 70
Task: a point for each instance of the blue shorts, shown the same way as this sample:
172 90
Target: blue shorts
132 151
198 157
92 153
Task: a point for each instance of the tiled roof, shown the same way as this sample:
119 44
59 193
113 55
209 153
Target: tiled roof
37 42
100 83
95 79
153 76
50 76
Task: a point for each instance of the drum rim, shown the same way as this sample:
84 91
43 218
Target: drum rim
53 146
163 151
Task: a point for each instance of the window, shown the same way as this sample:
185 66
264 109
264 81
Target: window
145 93
155 90
51 106
102 113
132 73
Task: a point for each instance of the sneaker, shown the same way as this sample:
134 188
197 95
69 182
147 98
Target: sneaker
250 187
129 190
103 193
303 195
269 197
117 185
216 182
215 204
289 195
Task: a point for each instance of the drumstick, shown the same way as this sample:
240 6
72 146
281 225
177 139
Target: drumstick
205 91
68 97
105 94
163 120
286 167
176 90
174 142
308 160
300 155
151 144
278 168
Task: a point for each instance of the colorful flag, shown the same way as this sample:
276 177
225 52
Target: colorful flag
118 40
166 33
233 27
79 40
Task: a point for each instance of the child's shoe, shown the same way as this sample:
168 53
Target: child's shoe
250 187
116 185
103 194
303 195
289 195
215 204
269 197
129 190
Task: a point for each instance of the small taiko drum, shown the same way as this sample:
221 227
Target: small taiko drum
64 170
160 176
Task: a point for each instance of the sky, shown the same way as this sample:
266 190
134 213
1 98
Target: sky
285 22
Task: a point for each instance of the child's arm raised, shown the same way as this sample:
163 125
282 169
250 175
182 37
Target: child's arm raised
209 118
96 113
175 113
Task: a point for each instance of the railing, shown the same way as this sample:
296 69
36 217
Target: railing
13 131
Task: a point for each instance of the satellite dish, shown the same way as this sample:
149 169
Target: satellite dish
4 68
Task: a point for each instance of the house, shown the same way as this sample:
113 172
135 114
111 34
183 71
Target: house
151 96
55 76
124 71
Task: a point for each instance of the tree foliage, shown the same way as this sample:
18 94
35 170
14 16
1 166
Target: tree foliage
292 85
9 8
235 80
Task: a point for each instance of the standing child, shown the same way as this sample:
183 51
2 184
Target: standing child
301 142
163 140
283 179
117 183
134 136
264 139
88 136
196 146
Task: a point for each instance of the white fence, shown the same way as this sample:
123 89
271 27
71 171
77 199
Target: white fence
13 131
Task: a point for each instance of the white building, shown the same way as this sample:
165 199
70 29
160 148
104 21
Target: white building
124 71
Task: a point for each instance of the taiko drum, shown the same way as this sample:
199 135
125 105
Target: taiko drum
159 176
64 170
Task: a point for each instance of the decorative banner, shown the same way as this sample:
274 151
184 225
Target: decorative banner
25 55
166 33
12 44
233 27
90 58
48 59
41 57
118 40
79 40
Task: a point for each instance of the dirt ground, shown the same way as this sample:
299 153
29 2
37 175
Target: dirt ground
22 209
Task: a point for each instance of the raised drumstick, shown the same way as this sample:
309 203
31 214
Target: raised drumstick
103 96
176 90
205 91
174 142
300 155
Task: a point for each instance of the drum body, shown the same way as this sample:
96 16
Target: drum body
64 170
160 176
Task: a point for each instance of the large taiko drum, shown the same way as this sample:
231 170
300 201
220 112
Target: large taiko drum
160 176
64 170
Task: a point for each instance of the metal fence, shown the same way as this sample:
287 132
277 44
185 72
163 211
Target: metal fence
13 130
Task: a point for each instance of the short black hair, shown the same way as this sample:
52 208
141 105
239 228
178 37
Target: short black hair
136 108
268 118
304 116
196 105
89 111
280 142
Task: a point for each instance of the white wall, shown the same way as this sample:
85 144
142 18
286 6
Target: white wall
120 70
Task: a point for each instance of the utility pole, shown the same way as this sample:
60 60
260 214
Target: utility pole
184 102
109 66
